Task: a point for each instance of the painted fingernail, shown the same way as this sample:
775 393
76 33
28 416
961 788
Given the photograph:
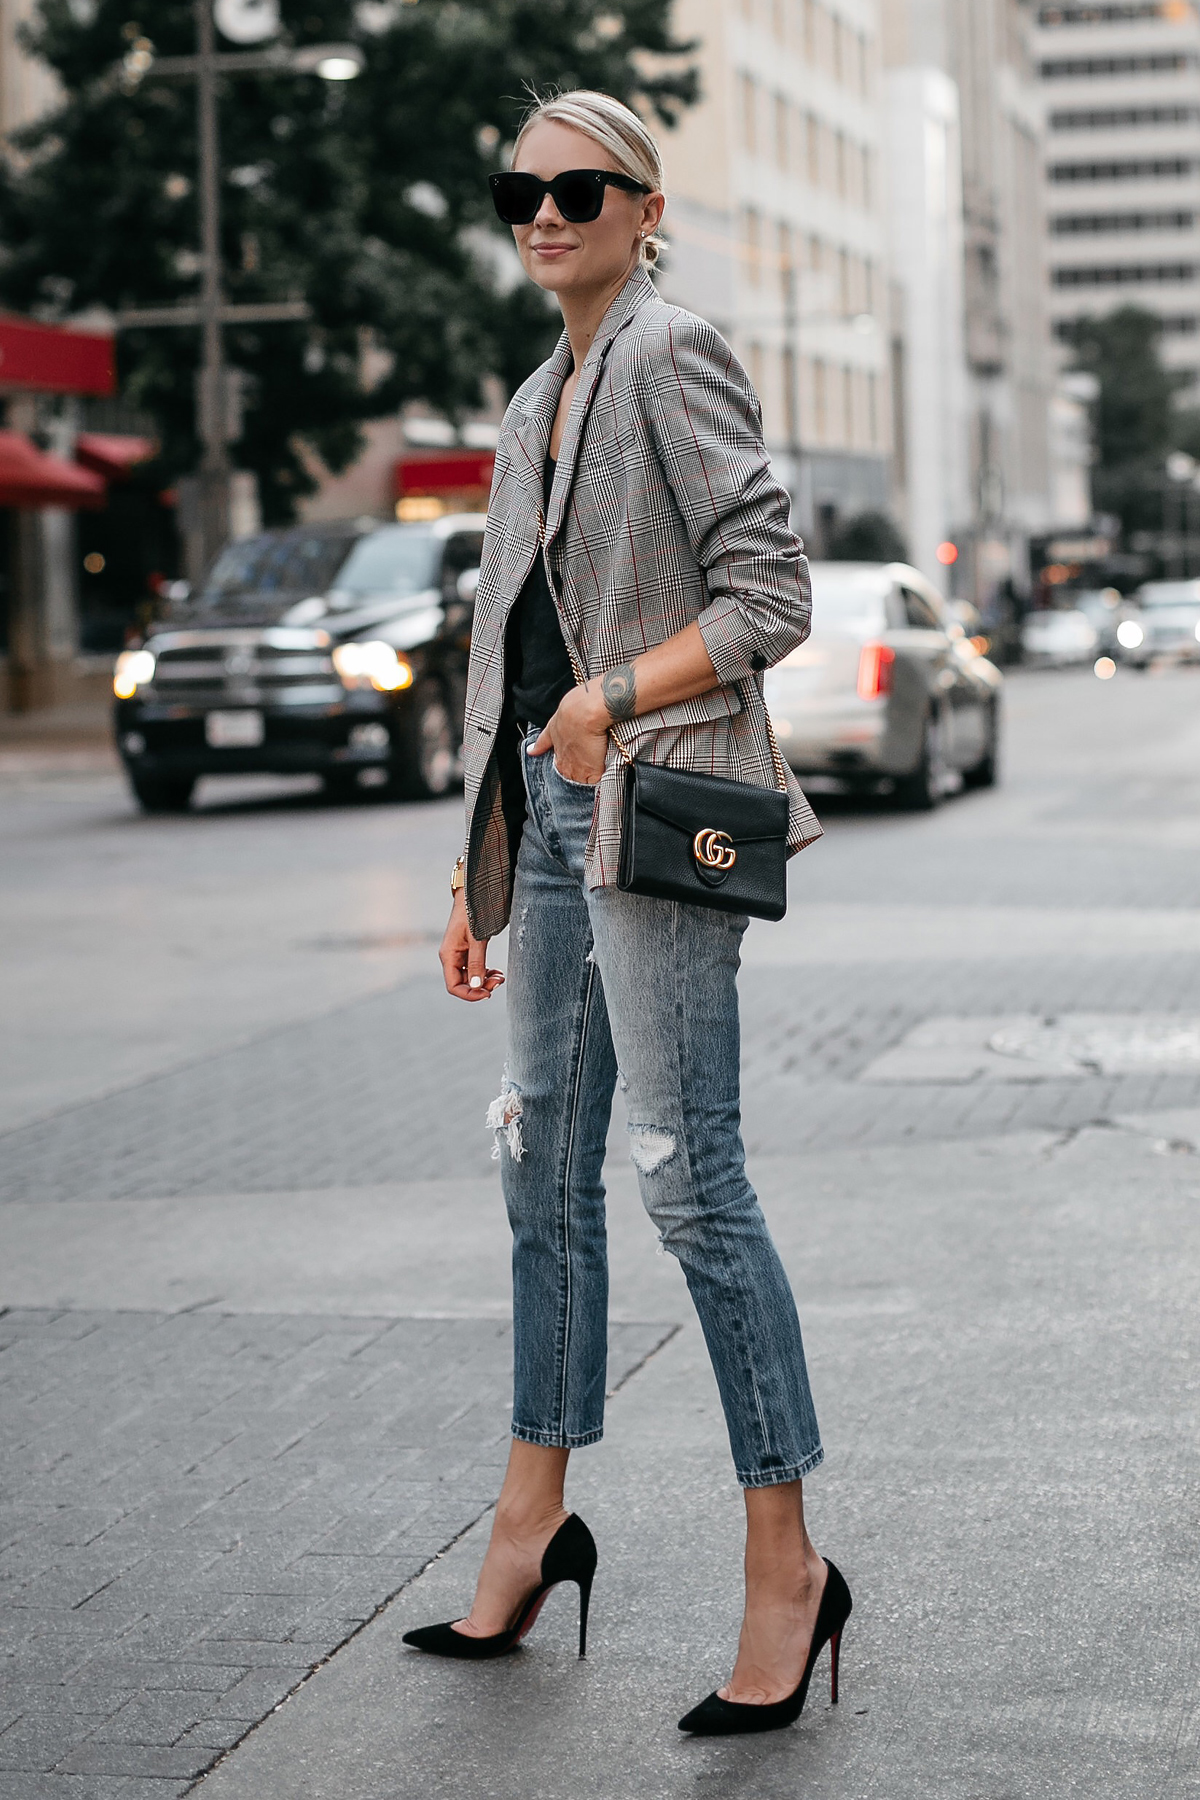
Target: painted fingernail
477 981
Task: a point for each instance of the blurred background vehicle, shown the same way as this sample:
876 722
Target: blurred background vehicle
888 689
338 649
1054 637
1166 625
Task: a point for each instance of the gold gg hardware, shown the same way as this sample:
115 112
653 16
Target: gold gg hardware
714 849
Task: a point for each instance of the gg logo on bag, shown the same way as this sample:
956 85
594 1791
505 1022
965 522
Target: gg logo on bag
714 850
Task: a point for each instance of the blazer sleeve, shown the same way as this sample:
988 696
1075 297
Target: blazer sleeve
707 430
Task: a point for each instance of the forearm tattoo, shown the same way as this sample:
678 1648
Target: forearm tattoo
619 688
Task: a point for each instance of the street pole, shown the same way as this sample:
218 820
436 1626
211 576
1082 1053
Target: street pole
791 362
210 310
214 464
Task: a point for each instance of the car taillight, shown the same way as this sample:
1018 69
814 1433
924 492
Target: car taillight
875 671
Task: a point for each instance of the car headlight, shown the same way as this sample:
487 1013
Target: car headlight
135 669
1130 634
373 664
1198 631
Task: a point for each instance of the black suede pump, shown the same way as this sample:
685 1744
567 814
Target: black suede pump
715 1717
570 1556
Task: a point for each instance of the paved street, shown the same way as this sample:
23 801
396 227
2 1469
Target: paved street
254 1267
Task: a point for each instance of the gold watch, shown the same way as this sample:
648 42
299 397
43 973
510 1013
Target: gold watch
458 875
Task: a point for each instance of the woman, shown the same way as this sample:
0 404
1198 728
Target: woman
639 573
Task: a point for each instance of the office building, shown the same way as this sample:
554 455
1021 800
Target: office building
1120 91
777 233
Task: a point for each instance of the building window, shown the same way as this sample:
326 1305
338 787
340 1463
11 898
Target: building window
782 133
756 370
839 163
752 245
1086 224
820 390
812 133
844 283
1067 68
848 385
873 431
1123 12
787 263
1151 169
749 107
1115 118
1129 275
810 29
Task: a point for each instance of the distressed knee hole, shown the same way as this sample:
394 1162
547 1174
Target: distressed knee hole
650 1148
504 1122
521 925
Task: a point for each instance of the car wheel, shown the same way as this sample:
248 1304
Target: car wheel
924 788
432 761
986 772
163 793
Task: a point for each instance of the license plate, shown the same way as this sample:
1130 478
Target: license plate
233 730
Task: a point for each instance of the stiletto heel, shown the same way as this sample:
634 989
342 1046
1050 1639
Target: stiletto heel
835 1656
585 1600
715 1717
570 1556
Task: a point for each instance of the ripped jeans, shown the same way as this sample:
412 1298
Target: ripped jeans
600 980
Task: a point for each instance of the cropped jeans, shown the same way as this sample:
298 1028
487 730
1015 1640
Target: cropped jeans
606 986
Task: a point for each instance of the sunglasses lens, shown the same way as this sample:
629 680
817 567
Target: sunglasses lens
578 197
516 197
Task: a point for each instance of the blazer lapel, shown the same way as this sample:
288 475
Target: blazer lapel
532 435
636 292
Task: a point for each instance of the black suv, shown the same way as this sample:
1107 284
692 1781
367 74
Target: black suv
335 649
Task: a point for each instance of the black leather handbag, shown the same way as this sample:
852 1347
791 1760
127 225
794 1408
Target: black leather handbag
699 838
704 840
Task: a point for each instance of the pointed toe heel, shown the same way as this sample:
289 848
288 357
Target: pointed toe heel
570 1556
715 1717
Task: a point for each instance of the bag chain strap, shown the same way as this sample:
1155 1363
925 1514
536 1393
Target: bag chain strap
581 678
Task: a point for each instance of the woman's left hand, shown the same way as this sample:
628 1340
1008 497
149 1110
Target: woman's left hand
578 735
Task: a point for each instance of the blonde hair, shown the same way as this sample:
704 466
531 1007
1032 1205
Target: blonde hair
616 129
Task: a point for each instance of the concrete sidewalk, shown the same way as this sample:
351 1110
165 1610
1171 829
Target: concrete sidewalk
1003 1337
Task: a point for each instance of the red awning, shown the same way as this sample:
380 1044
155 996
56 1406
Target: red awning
455 472
113 453
29 477
53 359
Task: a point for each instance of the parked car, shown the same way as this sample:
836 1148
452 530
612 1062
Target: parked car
1167 624
336 649
887 689
1056 637
1107 610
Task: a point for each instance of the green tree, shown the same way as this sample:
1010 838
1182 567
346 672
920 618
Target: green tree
365 198
1136 421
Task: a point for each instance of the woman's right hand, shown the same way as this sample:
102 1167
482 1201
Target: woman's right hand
464 958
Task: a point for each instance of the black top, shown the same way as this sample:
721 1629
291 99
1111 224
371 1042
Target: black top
540 668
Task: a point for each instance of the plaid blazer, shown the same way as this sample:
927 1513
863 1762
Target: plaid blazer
663 512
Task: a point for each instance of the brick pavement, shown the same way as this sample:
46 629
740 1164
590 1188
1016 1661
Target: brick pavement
396 1086
197 1509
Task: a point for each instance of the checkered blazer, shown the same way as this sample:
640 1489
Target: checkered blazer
664 511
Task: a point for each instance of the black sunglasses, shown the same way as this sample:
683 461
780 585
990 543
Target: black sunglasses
577 193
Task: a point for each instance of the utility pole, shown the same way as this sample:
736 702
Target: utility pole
212 397
210 311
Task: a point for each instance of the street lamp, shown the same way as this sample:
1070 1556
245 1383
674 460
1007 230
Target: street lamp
246 21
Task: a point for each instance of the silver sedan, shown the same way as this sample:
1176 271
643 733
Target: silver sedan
888 690
1167 624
